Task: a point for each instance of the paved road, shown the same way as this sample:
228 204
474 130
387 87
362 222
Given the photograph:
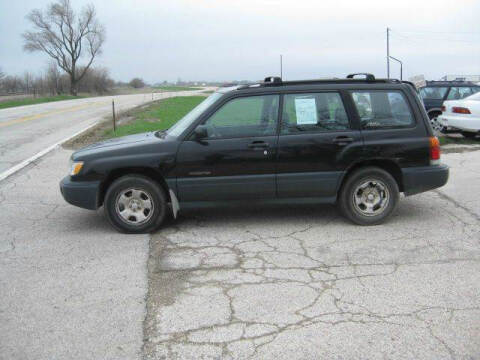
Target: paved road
27 130
266 283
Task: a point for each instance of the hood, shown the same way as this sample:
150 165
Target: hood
129 139
131 144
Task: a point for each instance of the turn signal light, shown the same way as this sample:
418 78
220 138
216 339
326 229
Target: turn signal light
443 108
434 150
460 110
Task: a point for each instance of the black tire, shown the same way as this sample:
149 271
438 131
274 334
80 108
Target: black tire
150 190
469 135
378 177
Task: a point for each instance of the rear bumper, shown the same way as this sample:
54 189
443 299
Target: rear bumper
83 194
420 179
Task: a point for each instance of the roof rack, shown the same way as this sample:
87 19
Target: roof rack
351 78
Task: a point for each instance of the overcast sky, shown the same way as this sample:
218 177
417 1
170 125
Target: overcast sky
222 39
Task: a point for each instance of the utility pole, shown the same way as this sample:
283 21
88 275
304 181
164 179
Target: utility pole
281 67
388 53
401 66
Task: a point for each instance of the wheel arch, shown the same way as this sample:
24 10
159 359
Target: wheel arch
145 171
433 110
388 165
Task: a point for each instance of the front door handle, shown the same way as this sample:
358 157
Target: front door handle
258 145
343 140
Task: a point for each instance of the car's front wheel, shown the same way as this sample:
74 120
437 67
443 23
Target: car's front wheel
135 204
369 196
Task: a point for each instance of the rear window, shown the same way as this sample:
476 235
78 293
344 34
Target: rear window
383 109
457 93
436 93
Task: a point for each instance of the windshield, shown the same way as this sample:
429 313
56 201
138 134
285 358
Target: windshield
433 92
188 119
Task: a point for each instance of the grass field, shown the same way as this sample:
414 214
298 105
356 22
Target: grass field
176 88
32 101
159 115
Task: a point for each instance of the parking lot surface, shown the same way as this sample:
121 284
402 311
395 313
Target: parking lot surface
300 282
283 282
70 287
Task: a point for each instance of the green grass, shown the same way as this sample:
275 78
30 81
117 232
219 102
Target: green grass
176 88
32 101
160 115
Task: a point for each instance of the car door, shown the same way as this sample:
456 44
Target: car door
316 145
236 159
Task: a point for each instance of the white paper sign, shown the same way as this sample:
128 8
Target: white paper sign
306 110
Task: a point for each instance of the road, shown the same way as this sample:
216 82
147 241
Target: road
262 283
27 130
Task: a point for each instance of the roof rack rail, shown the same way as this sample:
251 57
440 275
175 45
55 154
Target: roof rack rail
272 80
277 81
368 76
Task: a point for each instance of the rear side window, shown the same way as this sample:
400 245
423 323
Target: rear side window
434 93
313 112
383 109
245 117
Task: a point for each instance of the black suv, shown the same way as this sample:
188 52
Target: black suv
436 92
357 142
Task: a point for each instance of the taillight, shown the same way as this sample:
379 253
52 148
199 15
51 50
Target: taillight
434 150
460 110
443 108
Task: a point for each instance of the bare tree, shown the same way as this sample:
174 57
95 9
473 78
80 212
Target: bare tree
2 74
66 37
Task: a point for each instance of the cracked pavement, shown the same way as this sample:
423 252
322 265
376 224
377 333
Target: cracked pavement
270 282
300 282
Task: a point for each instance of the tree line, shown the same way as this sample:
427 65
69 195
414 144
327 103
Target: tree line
52 82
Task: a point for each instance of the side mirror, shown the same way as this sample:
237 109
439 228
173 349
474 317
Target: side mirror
200 132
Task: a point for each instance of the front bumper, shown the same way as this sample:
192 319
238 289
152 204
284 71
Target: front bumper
424 178
84 194
471 124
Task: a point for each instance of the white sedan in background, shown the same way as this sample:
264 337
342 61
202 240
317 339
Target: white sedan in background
462 115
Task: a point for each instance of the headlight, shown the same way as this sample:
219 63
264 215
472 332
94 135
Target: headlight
75 167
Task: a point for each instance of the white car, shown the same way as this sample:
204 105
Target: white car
462 115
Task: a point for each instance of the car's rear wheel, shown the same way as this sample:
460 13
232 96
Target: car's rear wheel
369 196
469 135
135 204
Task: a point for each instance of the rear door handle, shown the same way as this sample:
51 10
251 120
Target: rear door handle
260 145
343 140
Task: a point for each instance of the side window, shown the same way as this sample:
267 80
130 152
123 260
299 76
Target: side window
457 93
382 109
313 112
244 117
433 92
